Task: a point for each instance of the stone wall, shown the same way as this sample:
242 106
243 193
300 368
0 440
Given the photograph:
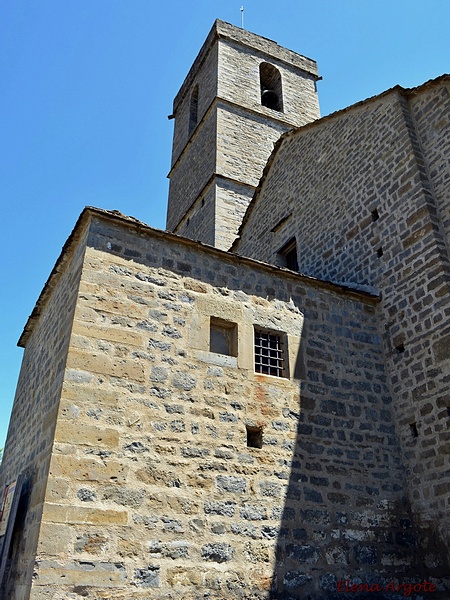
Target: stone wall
199 221
152 486
206 80
33 419
232 202
193 170
363 192
323 183
215 165
238 130
239 81
430 111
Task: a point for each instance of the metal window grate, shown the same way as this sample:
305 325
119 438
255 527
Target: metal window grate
268 353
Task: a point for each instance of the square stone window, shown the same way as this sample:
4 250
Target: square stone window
223 337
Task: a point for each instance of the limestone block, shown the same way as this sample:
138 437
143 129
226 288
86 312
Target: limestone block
113 334
55 538
63 513
70 432
105 365
88 469
98 574
57 489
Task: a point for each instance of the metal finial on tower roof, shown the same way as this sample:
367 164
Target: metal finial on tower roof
242 17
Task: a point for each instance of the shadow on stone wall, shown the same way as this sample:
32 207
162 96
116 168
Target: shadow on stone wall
346 530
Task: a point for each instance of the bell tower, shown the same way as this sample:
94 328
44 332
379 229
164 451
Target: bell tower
242 92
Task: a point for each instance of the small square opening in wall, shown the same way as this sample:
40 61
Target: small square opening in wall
270 349
400 348
413 429
375 215
254 437
222 337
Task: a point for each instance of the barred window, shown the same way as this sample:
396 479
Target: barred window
269 353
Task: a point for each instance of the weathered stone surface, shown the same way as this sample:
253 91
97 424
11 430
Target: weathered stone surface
63 513
217 552
92 544
67 432
88 469
235 485
147 576
220 508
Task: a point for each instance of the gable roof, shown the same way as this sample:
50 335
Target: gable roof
405 92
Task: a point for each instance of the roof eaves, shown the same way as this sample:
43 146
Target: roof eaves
113 215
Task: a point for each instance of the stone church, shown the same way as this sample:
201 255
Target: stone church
253 404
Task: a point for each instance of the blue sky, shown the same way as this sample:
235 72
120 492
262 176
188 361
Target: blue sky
86 87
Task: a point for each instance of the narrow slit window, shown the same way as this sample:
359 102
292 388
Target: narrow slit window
193 110
269 353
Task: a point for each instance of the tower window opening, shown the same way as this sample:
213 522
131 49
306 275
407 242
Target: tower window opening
375 215
269 353
271 87
193 110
